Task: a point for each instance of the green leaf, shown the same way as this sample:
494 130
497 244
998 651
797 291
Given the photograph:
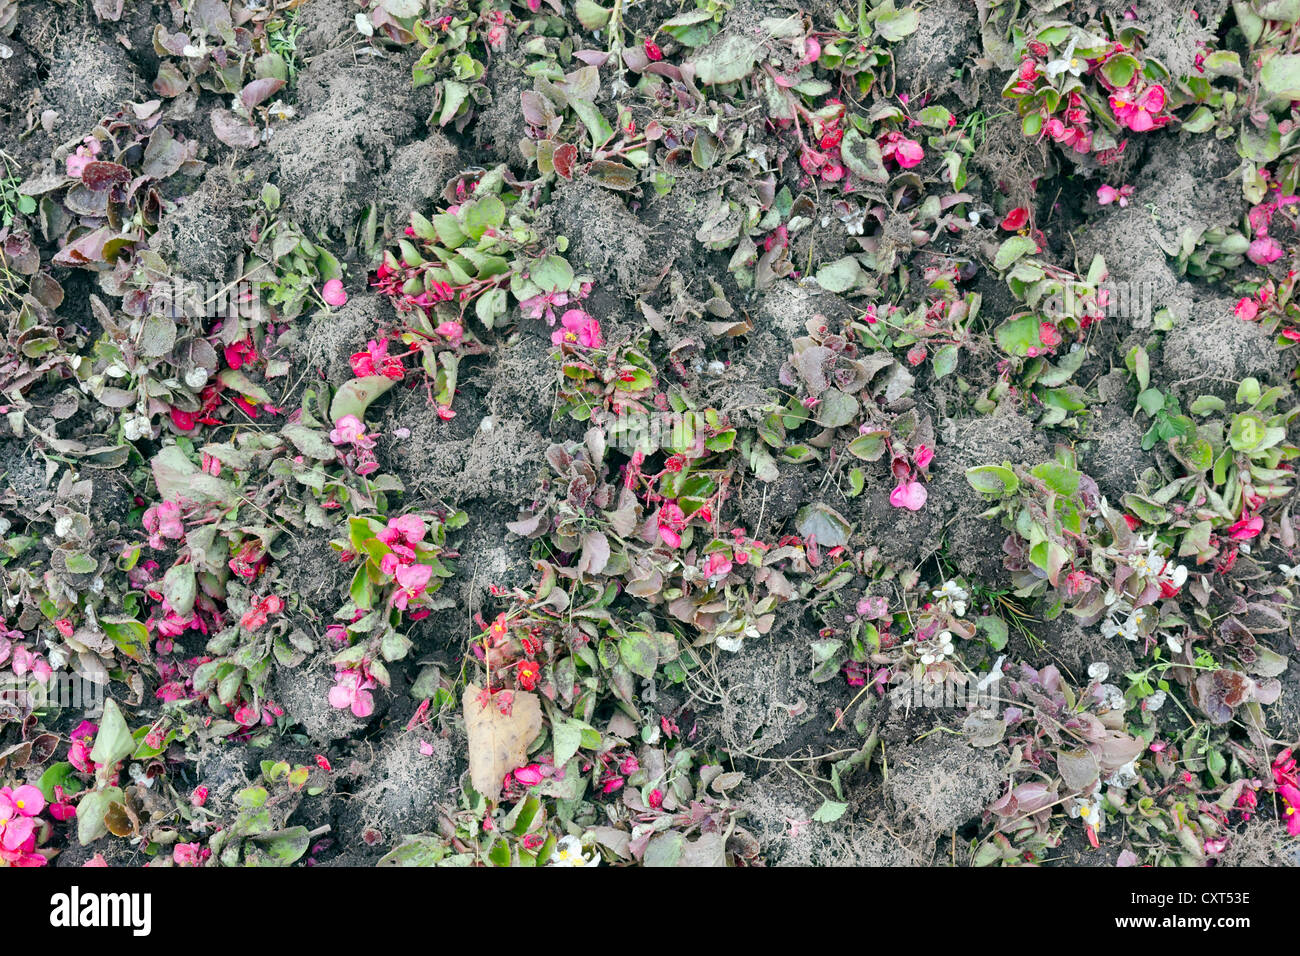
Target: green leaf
728 58
1207 404
1011 250
840 276
1151 401
91 810
61 774
478 217
1280 76
566 738
1017 336
945 360
277 848
179 588
453 97
829 811
993 479
893 24
862 156
113 741
1060 479
78 563
597 126
823 522
591 15
551 274
995 629
355 395
836 409
868 447
640 652
128 635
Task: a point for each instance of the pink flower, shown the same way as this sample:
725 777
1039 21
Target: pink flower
1140 113
1291 808
257 615
716 566
189 854
923 455
906 152
1049 335
453 332
671 521
83 739
352 692
1246 309
1263 250
529 776
77 162
240 353
411 580
333 293
28 801
347 430
578 329
375 360
910 495
1246 528
164 520
199 796
408 528
1109 194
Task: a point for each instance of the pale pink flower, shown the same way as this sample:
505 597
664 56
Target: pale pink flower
910 495
333 293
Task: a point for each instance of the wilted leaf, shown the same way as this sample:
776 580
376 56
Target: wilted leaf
730 57
498 743
233 131
823 522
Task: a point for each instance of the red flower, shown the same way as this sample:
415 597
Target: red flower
240 353
652 50
183 420
1016 219
527 674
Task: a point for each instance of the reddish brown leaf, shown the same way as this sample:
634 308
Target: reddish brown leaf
100 175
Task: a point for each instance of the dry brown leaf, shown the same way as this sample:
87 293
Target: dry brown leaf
498 743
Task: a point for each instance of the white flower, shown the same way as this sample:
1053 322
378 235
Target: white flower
959 608
1155 701
1175 644
136 428
569 851
1068 63
196 377
1291 573
1130 629
927 659
1112 698
1089 811
1178 575
1098 670
951 589
1124 777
